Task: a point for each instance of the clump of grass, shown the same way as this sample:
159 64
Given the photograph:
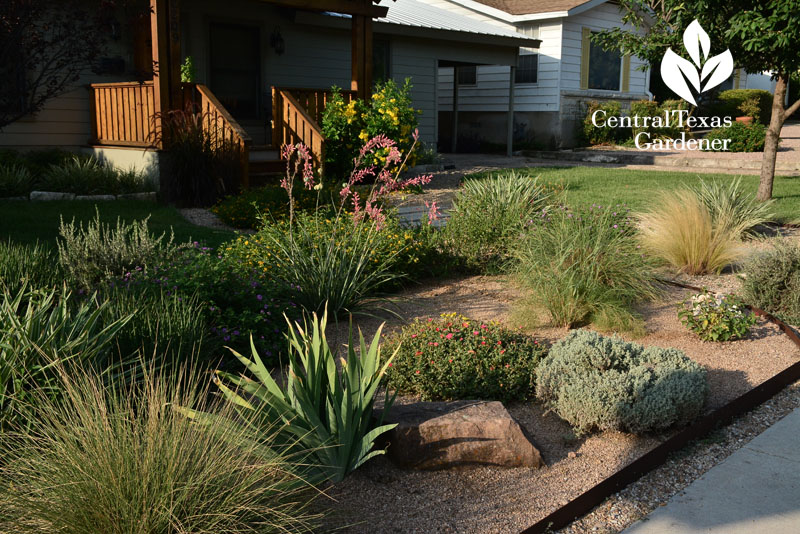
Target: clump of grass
681 230
35 265
124 459
731 207
489 215
585 266
15 180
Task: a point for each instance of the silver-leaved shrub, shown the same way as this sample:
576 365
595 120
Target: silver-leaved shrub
601 383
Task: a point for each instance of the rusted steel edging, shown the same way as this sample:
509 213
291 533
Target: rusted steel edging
594 496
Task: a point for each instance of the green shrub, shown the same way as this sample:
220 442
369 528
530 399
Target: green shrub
99 253
743 137
459 358
238 301
772 281
39 328
604 383
348 126
716 317
585 266
488 216
15 181
323 407
123 459
596 135
35 265
650 108
83 175
730 103
246 209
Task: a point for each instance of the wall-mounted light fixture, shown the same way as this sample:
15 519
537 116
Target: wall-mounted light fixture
276 41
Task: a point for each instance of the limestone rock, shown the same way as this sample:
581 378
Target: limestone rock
51 195
436 435
149 196
95 197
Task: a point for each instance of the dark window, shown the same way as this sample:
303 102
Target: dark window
527 68
604 68
381 61
467 75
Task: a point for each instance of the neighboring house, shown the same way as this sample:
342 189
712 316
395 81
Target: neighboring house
552 84
264 70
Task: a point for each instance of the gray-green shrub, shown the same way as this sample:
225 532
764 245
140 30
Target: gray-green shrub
100 252
123 459
39 328
585 266
489 215
772 281
604 383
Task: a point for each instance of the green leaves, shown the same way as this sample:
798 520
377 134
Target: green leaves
716 317
323 407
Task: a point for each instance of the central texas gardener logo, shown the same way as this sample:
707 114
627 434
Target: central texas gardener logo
706 73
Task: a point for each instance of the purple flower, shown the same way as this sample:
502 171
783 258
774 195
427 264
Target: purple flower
235 332
259 297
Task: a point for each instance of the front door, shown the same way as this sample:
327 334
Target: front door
235 74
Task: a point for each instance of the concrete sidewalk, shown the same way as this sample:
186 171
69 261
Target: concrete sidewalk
755 490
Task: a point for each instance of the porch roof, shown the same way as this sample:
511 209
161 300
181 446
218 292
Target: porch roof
418 19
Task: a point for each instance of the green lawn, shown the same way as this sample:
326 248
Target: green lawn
26 222
635 188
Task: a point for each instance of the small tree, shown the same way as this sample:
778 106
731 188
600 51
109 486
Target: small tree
45 47
761 35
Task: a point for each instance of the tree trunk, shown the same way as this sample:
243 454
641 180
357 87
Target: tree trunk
771 142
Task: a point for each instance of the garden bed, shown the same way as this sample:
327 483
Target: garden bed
487 499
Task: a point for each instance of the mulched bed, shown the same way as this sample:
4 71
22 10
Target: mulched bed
383 498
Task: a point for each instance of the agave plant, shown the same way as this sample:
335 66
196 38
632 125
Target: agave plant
324 408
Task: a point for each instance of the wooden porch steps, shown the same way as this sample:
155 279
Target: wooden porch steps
266 166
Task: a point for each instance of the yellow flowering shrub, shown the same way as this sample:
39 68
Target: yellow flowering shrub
347 126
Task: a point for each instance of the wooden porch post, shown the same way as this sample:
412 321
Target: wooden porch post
165 34
361 55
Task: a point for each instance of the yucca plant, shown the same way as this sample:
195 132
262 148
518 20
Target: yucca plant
121 459
733 208
39 328
680 229
324 407
489 215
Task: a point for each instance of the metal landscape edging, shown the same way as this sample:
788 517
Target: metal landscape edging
594 496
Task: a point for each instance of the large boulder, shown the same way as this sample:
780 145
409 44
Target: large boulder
437 435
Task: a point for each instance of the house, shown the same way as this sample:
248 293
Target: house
552 84
264 69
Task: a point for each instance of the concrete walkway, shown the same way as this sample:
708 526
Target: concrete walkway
755 490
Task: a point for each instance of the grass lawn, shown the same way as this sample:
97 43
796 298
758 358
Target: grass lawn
26 222
635 188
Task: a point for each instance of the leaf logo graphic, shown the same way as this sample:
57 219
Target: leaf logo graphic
681 75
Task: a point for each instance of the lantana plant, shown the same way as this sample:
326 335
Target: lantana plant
716 317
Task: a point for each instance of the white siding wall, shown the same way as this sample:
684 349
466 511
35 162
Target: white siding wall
491 91
602 17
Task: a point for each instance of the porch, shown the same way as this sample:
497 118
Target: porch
265 75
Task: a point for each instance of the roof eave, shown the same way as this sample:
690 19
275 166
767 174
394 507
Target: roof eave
508 17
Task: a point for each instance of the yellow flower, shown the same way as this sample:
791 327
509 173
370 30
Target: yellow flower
363 135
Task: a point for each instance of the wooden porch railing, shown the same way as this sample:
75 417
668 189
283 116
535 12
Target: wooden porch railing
297 115
122 114
222 129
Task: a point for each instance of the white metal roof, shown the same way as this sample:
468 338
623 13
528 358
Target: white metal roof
422 15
